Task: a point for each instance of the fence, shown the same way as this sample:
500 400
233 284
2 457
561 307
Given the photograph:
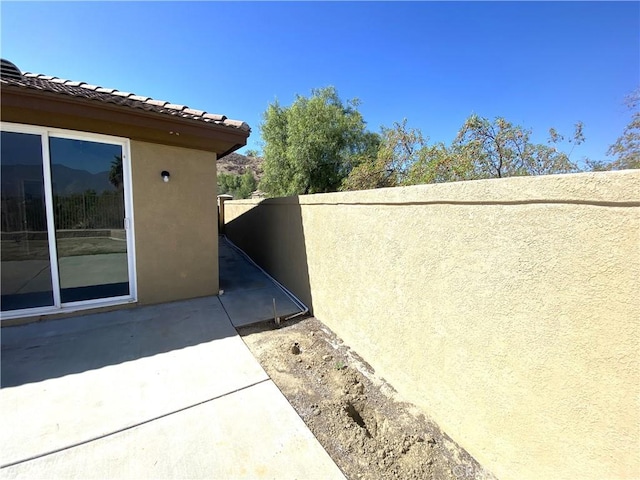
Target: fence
76 211
507 309
89 211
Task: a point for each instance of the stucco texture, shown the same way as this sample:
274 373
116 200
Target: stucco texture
507 309
176 229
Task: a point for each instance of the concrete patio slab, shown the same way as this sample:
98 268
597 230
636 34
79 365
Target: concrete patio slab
79 384
253 306
164 391
253 433
248 293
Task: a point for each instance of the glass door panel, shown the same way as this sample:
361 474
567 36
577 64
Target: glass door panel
25 262
89 213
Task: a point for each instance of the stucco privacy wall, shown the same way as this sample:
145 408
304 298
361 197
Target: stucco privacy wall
507 309
175 223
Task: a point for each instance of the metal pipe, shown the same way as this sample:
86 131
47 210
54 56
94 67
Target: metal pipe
293 298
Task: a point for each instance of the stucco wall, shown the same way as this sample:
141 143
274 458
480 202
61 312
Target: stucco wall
507 309
175 223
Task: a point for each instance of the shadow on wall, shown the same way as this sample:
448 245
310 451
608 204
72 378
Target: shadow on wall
276 250
512 301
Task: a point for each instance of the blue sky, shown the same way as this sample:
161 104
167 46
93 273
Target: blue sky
538 64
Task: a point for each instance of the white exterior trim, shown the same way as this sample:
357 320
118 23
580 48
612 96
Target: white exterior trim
58 307
51 227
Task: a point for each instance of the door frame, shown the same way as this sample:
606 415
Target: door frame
59 307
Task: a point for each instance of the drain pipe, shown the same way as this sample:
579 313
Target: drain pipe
293 298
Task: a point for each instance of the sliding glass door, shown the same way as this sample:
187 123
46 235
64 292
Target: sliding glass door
65 219
26 264
88 203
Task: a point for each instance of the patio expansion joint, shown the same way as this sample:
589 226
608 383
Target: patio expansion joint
225 312
131 427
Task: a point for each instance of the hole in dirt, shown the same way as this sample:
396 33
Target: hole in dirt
353 413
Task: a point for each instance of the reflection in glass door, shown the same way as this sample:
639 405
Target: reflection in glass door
89 215
24 250
63 232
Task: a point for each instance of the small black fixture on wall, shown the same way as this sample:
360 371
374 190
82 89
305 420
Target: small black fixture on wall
165 175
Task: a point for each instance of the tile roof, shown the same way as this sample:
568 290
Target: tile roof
109 95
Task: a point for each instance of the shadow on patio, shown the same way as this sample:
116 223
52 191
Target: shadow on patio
55 348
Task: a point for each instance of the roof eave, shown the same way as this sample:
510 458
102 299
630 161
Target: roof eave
24 105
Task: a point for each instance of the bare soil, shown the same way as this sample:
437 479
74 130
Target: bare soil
357 417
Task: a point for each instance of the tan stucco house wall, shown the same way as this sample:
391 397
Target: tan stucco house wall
176 234
175 223
508 310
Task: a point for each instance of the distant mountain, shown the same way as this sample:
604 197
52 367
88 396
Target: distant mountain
238 164
66 180
70 180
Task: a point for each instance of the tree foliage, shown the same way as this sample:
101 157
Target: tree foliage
240 186
319 144
482 149
501 149
312 145
115 172
388 166
438 164
627 146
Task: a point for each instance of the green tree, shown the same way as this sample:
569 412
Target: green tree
115 172
398 149
247 185
240 186
501 149
482 149
438 164
627 146
227 182
252 153
485 149
310 146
